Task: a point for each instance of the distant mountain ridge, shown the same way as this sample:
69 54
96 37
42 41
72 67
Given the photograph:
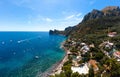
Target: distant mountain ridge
94 20
106 12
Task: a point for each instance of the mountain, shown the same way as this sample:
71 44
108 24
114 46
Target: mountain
66 32
95 21
106 12
55 32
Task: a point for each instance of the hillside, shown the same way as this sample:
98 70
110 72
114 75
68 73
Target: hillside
94 44
99 27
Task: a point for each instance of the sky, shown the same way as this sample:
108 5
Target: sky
43 15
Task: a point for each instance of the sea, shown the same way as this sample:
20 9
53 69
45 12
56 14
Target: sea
27 54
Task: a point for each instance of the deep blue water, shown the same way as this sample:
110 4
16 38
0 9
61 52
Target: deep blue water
18 52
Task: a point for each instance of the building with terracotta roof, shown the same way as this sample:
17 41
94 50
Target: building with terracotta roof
93 63
117 55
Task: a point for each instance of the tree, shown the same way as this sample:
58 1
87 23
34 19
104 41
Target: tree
76 74
91 72
68 73
114 67
98 56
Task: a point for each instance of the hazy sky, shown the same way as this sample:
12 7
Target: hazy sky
43 15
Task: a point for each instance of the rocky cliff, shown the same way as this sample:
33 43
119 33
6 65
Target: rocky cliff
106 12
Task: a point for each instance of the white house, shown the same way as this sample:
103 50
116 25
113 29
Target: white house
112 34
81 70
85 48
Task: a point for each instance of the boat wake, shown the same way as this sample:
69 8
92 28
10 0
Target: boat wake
24 40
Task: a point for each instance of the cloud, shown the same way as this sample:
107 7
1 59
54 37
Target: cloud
70 20
73 16
79 14
48 19
39 19
69 17
62 24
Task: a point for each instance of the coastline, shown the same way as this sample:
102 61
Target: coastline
57 67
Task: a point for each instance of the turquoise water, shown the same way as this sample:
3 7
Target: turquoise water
25 54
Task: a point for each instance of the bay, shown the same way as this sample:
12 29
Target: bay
25 54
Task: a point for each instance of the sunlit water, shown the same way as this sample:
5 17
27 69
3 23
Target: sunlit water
25 54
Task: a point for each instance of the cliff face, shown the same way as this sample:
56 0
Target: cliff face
66 32
93 15
55 32
106 12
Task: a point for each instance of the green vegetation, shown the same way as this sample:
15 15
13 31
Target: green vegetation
95 32
91 72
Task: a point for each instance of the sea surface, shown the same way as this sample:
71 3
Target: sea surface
26 54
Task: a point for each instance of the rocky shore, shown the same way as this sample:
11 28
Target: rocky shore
56 68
